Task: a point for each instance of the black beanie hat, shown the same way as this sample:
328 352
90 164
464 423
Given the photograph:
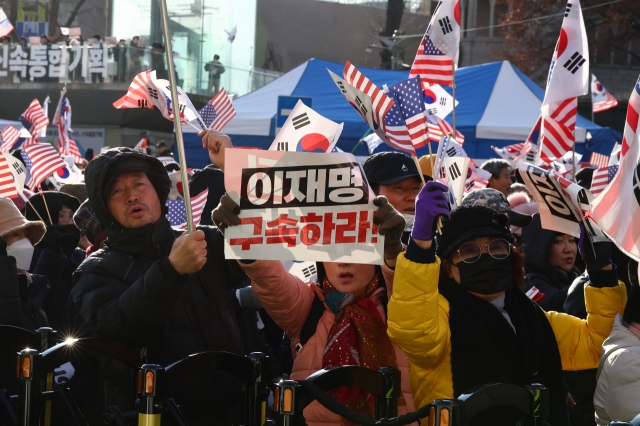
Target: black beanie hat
468 223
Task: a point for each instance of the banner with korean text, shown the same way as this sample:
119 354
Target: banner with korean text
301 206
557 203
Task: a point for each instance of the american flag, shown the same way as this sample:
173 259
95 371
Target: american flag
602 177
8 137
74 152
442 127
218 111
45 161
431 64
380 101
408 98
397 132
177 215
34 119
62 119
558 130
631 124
7 183
599 160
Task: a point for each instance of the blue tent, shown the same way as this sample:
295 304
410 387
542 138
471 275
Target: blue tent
498 105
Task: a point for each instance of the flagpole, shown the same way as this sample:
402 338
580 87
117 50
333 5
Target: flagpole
176 116
453 85
415 160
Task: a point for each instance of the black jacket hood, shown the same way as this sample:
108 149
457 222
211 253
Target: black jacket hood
97 174
535 245
48 204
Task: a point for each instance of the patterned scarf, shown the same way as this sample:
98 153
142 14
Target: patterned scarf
358 337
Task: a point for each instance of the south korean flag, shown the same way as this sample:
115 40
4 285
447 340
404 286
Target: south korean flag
569 71
444 28
306 131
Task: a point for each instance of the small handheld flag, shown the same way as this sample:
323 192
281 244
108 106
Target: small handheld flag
601 100
218 112
5 26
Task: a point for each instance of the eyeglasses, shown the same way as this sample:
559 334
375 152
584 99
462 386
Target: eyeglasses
498 249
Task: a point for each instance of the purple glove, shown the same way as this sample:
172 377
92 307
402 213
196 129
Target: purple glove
430 203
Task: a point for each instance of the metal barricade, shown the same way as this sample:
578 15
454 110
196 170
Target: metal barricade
34 370
291 397
154 385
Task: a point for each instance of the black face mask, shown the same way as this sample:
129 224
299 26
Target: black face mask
486 276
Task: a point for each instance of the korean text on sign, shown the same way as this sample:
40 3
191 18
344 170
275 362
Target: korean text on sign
301 206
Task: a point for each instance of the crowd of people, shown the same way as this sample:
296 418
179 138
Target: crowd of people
474 295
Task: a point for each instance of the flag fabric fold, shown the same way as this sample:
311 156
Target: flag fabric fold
218 112
408 98
617 208
34 119
601 100
8 138
5 26
44 161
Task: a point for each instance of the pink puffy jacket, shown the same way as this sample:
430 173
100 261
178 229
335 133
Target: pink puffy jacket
288 300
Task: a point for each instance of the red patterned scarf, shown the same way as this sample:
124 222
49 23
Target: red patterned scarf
358 337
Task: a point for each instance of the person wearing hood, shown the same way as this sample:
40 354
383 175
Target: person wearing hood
21 294
149 284
56 256
395 176
87 222
340 320
616 395
549 264
462 320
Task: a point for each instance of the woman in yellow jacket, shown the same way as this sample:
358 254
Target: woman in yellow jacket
462 320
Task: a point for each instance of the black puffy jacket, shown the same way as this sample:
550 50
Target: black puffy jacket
128 291
552 281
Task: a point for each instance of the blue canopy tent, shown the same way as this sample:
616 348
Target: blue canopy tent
498 106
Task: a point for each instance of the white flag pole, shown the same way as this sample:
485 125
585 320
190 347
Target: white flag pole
176 116
453 86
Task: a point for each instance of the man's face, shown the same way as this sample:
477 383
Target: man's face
402 195
502 183
132 200
161 149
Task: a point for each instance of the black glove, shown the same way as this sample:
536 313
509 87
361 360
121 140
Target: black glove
61 239
595 256
3 247
391 225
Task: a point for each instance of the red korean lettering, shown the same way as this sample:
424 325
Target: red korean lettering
363 225
310 233
279 231
329 226
245 243
341 229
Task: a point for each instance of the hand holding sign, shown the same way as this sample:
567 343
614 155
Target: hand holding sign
391 224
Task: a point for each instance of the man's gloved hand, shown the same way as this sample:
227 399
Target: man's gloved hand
391 224
226 214
3 247
597 256
431 202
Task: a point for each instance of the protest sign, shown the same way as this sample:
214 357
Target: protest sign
557 211
306 131
301 206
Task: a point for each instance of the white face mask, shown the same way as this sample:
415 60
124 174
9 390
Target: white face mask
22 250
409 218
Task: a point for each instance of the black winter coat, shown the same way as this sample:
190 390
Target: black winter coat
128 291
212 178
552 281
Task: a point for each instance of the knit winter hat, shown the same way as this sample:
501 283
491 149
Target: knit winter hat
11 220
468 223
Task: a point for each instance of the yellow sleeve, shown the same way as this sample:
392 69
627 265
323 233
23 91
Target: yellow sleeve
418 315
580 341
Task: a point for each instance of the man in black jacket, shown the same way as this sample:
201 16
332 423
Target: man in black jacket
150 285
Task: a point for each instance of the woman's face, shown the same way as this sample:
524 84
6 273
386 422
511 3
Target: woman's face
562 252
454 259
349 277
15 236
65 217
